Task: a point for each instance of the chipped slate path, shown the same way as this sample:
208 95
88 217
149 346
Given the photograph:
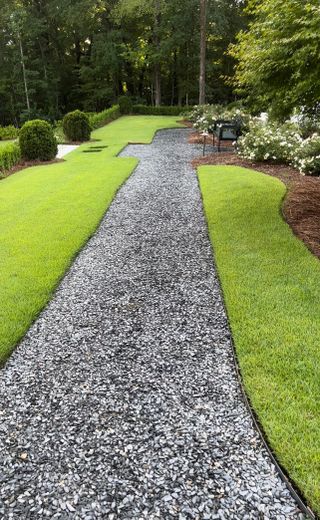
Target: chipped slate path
122 402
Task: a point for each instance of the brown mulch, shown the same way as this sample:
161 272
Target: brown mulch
186 123
301 208
198 138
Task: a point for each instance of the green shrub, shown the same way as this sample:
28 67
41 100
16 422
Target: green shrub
8 132
104 117
125 105
37 141
10 155
157 111
76 126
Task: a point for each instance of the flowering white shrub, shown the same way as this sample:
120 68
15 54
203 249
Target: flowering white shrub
205 116
306 158
268 142
281 144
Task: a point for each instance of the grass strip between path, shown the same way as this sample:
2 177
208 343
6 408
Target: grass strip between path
47 213
271 285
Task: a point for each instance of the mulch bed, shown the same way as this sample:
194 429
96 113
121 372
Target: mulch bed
301 208
186 123
197 138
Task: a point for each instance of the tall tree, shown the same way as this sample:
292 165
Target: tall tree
203 48
85 53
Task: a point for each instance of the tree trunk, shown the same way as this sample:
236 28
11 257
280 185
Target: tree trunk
157 68
203 48
24 73
157 85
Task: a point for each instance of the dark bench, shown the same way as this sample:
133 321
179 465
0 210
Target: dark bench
222 131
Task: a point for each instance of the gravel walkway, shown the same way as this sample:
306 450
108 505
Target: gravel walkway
122 402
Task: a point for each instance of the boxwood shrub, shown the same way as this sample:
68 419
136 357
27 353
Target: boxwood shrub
10 155
37 141
76 126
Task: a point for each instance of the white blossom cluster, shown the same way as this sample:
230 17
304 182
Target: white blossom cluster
204 117
281 144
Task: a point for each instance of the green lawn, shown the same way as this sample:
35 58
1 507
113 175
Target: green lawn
4 143
47 213
271 285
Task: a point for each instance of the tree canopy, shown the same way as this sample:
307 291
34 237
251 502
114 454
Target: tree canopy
59 55
278 57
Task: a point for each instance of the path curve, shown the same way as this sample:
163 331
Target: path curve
122 402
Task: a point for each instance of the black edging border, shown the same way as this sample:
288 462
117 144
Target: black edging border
294 492
284 477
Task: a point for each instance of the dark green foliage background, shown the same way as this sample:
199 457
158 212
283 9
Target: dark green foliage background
85 54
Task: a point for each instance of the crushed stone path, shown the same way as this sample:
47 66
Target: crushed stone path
122 401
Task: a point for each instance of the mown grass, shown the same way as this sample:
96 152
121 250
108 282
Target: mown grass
47 213
5 143
271 285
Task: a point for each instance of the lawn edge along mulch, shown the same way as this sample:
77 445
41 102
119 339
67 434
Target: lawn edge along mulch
301 206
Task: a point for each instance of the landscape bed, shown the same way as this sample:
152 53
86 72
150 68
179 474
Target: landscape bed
271 288
47 213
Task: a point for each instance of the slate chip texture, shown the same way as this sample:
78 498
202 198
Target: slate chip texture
122 401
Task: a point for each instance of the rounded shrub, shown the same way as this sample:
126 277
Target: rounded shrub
125 105
76 126
37 141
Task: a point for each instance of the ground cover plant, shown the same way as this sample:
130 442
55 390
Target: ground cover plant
271 287
48 212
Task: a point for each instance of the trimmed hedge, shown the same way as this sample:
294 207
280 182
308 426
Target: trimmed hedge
8 132
157 111
37 141
76 126
104 117
10 155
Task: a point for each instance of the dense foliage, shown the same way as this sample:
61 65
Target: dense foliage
37 141
76 126
125 104
157 111
278 58
58 56
10 155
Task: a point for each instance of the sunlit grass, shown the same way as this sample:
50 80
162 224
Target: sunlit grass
271 285
47 213
6 142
